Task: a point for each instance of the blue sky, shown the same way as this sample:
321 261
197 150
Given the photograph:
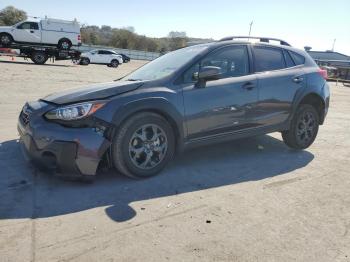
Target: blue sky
313 23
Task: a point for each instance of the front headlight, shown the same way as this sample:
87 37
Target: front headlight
74 112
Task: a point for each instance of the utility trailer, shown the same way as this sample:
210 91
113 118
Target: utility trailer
39 54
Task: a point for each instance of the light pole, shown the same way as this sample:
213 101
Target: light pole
333 44
250 28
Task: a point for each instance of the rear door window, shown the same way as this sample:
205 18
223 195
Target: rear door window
298 59
268 59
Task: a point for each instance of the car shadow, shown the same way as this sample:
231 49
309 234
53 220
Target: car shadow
24 62
28 193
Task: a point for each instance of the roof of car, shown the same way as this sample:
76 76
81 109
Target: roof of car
216 44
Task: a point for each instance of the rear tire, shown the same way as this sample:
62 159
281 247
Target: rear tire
39 57
143 146
5 40
64 44
303 129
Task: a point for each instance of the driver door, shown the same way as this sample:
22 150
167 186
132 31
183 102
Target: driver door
27 32
103 57
223 105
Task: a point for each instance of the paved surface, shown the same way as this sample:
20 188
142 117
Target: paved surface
248 200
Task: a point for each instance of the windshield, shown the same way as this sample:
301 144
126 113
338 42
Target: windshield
166 64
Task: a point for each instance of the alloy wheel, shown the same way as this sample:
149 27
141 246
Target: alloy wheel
114 63
148 146
306 128
65 45
5 39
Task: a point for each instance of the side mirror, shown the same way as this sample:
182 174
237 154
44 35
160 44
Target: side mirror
208 73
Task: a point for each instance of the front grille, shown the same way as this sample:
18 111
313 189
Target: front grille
25 114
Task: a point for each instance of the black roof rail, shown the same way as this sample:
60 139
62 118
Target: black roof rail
261 39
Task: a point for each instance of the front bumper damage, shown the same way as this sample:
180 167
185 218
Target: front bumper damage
66 150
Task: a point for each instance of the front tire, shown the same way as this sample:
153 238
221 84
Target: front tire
143 146
303 129
114 63
6 40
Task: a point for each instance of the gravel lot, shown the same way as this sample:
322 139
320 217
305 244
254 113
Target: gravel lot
248 200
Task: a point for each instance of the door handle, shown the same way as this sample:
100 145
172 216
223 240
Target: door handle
298 79
32 31
248 86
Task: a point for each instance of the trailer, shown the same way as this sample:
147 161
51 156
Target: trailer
39 54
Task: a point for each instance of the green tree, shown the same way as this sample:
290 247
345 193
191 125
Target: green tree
177 40
11 15
94 38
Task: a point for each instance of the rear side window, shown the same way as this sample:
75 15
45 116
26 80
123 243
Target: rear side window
267 59
288 59
298 59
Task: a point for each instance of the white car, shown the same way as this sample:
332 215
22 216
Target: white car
100 56
48 31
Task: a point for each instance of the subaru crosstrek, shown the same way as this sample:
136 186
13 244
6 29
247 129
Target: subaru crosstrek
197 95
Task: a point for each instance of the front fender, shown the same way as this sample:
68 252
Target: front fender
7 30
159 105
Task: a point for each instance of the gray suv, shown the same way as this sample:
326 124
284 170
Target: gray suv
194 96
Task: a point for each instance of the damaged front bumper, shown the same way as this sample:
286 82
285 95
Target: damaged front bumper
66 150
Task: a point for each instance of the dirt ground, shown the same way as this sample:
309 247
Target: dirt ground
248 200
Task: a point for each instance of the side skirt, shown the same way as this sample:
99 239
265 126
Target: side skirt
223 137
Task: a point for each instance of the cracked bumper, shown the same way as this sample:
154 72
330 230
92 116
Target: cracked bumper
68 151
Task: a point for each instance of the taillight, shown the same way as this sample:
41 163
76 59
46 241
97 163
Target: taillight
79 38
323 73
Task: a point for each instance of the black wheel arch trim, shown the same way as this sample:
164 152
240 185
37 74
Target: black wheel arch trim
158 105
304 92
65 39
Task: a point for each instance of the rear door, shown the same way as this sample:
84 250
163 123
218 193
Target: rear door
279 78
27 32
223 105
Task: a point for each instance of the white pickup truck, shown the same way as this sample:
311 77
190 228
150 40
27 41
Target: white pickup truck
48 31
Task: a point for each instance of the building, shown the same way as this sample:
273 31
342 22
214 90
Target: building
337 64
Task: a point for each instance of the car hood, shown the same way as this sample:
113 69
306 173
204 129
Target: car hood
93 92
5 28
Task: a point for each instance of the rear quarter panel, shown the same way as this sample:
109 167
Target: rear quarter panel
315 84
